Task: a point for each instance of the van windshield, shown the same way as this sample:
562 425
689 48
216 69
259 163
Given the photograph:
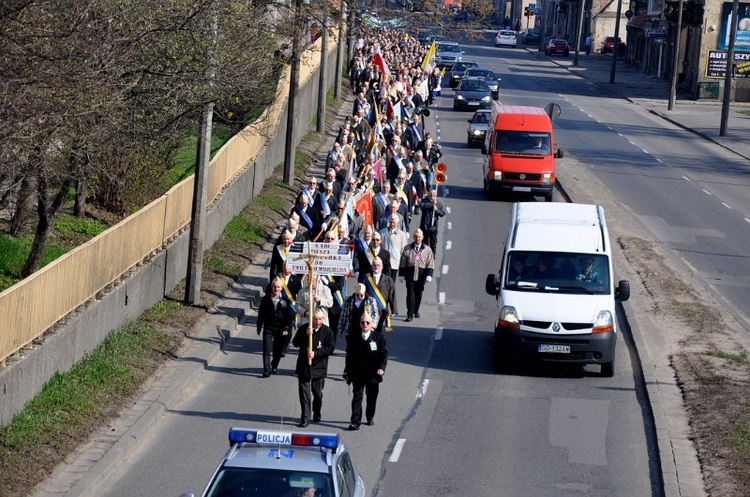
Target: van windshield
523 142
559 272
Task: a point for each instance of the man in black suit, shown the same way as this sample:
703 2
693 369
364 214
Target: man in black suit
312 364
432 209
378 251
366 360
415 269
385 295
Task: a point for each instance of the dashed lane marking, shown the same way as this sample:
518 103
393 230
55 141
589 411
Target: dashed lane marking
397 450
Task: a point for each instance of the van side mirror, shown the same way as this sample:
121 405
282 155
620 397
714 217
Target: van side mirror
622 292
490 285
559 153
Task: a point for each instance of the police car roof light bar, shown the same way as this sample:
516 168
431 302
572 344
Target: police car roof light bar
276 437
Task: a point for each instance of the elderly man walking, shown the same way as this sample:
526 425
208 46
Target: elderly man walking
415 269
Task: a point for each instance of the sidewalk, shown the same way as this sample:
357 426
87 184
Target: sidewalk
703 117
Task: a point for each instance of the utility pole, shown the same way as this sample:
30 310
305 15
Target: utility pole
200 182
676 62
289 148
339 52
580 31
730 71
616 48
320 127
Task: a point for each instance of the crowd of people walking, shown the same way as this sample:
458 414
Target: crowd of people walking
377 200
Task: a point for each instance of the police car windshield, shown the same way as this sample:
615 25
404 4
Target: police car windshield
251 482
558 272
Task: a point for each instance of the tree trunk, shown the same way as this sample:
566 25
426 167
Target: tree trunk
22 213
79 207
46 216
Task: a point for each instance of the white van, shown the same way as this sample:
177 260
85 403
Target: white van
555 291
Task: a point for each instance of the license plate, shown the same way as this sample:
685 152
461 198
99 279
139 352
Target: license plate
554 349
473 103
521 188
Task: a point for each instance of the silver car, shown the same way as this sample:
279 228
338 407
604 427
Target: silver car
447 53
277 462
478 126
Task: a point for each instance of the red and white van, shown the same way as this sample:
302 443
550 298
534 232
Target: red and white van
519 151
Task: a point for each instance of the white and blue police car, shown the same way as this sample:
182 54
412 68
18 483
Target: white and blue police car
277 463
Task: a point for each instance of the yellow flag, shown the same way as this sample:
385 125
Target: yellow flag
406 37
429 55
442 73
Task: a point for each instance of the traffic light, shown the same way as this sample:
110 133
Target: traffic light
526 12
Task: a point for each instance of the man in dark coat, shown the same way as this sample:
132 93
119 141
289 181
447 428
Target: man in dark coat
385 295
415 269
366 359
275 320
312 364
432 209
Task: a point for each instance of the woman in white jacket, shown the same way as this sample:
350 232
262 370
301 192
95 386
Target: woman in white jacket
321 296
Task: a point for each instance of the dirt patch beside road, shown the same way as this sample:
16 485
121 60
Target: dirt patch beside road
711 367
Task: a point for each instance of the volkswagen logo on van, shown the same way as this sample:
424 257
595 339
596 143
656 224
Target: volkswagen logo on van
556 327
522 176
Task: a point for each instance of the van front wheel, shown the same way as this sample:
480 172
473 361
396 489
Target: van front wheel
608 369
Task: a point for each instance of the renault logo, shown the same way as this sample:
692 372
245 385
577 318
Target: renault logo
556 327
522 176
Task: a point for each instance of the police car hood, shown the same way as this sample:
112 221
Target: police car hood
557 307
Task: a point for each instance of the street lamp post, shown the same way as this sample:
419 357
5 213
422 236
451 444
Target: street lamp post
580 31
730 67
616 43
676 62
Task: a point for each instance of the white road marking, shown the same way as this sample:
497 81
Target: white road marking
644 151
423 387
445 269
441 298
447 209
397 450
449 225
448 245
684 177
439 334
705 191
748 220
726 205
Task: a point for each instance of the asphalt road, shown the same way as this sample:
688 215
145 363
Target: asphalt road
447 424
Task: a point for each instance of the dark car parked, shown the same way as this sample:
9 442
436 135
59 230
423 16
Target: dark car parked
609 44
557 46
459 68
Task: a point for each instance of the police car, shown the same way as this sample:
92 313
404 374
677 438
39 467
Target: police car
276 463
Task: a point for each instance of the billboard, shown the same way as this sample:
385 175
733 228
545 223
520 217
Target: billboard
742 40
